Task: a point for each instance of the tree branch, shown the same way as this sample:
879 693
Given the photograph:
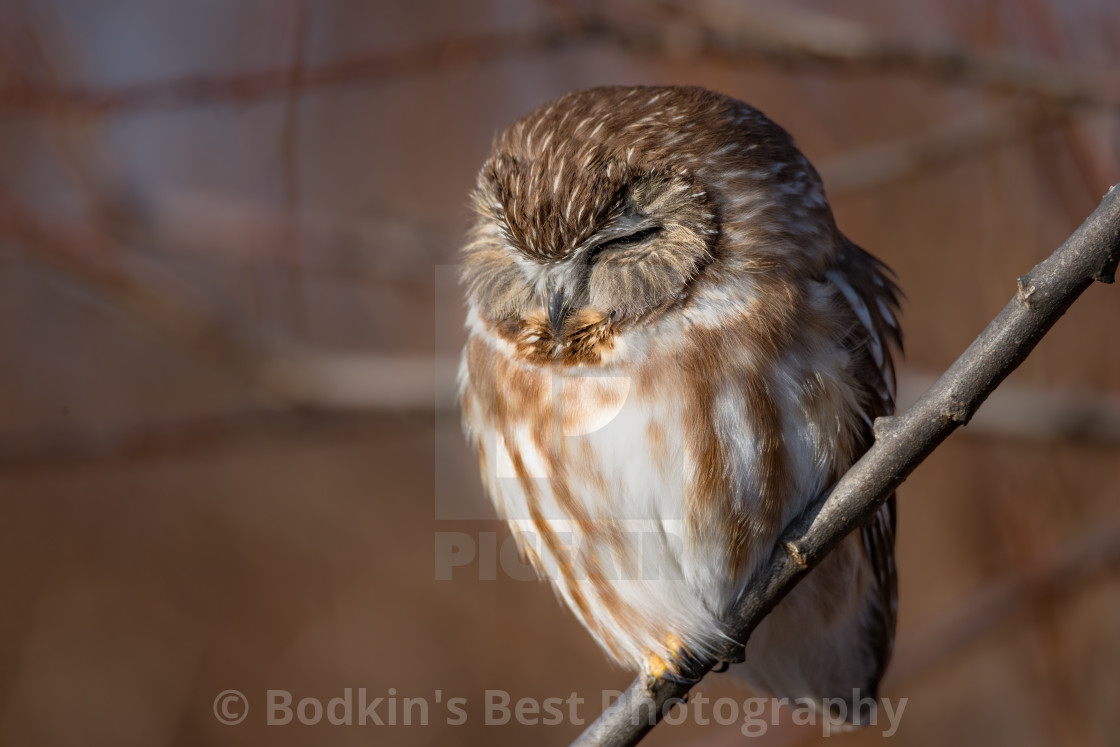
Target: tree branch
901 443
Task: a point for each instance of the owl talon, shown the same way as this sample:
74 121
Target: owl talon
737 656
681 679
682 669
682 674
691 671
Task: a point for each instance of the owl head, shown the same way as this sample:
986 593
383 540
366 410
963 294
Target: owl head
601 211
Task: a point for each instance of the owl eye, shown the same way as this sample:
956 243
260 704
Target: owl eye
630 239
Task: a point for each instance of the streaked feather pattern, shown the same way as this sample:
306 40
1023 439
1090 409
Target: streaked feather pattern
672 350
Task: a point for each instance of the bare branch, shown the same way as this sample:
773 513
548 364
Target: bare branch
901 443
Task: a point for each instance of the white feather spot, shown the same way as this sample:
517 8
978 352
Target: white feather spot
854 300
884 309
877 350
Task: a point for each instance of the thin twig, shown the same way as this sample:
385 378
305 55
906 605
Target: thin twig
901 443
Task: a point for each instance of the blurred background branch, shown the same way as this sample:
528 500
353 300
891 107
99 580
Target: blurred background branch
341 394
730 33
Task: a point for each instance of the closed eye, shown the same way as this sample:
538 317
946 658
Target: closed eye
630 239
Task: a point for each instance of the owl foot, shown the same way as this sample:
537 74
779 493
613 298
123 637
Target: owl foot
683 676
681 668
737 656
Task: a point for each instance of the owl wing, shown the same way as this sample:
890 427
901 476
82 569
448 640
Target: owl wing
868 288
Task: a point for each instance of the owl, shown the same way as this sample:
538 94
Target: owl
672 350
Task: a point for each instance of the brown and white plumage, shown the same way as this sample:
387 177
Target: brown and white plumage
672 350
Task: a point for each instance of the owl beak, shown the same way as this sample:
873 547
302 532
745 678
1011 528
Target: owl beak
557 309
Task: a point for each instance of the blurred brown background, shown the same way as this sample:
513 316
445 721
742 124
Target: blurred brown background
229 456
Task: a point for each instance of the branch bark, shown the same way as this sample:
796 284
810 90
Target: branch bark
901 443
